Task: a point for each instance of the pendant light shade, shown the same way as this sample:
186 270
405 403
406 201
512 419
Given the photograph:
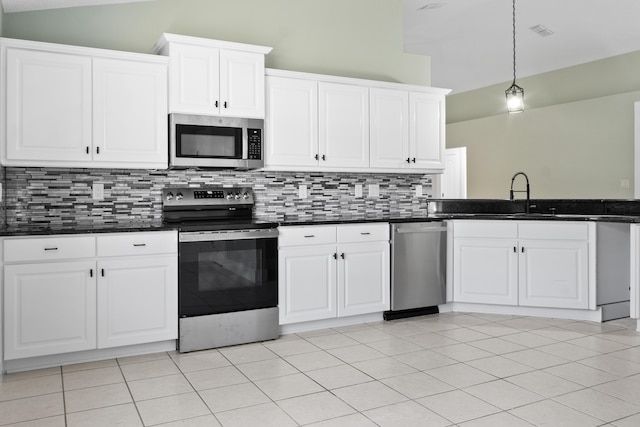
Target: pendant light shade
515 94
515 98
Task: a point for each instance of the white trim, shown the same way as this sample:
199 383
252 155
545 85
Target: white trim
636 146
87 356
634 279
167 38
354 81
334 322
557 313
81 50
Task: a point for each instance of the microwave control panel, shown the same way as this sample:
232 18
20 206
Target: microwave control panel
254 140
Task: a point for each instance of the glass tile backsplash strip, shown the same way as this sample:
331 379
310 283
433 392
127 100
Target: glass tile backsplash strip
64 196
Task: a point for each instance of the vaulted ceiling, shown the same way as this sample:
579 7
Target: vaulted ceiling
470 42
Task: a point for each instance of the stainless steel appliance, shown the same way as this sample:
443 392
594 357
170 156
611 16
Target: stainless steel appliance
227 268
215 142
418 268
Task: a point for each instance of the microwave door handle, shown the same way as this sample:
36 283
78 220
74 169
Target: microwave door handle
245 143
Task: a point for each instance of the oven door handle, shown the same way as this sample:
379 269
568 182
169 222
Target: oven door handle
209 236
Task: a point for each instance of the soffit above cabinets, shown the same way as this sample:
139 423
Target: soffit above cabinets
10 6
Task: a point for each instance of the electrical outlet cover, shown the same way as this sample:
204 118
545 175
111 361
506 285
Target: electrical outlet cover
374 190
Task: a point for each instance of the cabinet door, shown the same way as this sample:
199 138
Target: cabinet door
241 84
49 308
485 271
194 80
291 122
426 130
48 108
554 273
306 283
130 113
389 127
363 278
137 300
343 125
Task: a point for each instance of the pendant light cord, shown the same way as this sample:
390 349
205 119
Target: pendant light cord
514 41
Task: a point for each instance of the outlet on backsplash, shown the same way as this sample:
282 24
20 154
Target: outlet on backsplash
358 190
98 191
374 190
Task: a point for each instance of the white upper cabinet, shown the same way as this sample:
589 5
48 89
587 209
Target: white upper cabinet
317 122
389 128
129 114
292 121
48 106
68 106
212 77
343 118
426 131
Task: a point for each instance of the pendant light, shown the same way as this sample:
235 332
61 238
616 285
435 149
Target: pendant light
515 94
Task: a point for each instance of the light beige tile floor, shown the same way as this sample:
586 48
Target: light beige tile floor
451 369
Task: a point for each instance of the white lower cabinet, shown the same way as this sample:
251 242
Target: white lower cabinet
49 308
71 293
554 273
332 271
526 263
137 300
486 271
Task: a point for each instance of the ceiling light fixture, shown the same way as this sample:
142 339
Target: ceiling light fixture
515 94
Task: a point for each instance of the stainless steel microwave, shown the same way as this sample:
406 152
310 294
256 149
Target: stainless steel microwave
215 142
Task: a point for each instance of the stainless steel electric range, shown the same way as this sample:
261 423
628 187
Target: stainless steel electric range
227 267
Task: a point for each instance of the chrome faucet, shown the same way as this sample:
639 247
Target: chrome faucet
511 191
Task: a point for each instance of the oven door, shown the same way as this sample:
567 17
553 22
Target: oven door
227 271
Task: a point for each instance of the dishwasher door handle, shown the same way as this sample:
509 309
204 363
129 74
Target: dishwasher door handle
421 230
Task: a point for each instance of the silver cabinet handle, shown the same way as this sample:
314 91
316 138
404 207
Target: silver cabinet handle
139 244
50 249
365 233
309 235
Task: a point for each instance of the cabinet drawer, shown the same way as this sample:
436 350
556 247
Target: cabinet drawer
554 230
303 235
147 243
358 233
49 248
486 229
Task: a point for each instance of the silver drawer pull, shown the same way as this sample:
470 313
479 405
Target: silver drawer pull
139 244
310 235
50 249
365 234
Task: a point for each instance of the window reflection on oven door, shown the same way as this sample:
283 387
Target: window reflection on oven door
223 276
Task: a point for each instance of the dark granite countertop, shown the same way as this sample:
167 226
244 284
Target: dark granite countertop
624 211
116 227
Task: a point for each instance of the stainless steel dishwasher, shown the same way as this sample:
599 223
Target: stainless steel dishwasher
418 268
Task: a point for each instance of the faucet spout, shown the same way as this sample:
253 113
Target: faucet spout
512 191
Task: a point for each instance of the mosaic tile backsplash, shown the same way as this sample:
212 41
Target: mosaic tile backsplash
61 197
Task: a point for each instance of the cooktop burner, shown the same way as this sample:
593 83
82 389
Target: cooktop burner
211 208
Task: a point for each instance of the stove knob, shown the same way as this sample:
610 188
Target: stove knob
179 196
237 196
229 196
169 196
245 195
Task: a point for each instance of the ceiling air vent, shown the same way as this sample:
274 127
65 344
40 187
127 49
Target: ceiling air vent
430 6
541 30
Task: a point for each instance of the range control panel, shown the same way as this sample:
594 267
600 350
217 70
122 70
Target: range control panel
208 195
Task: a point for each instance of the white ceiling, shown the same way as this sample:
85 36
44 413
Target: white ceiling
470 42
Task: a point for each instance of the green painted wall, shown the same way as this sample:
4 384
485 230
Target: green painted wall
574 140
354 38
